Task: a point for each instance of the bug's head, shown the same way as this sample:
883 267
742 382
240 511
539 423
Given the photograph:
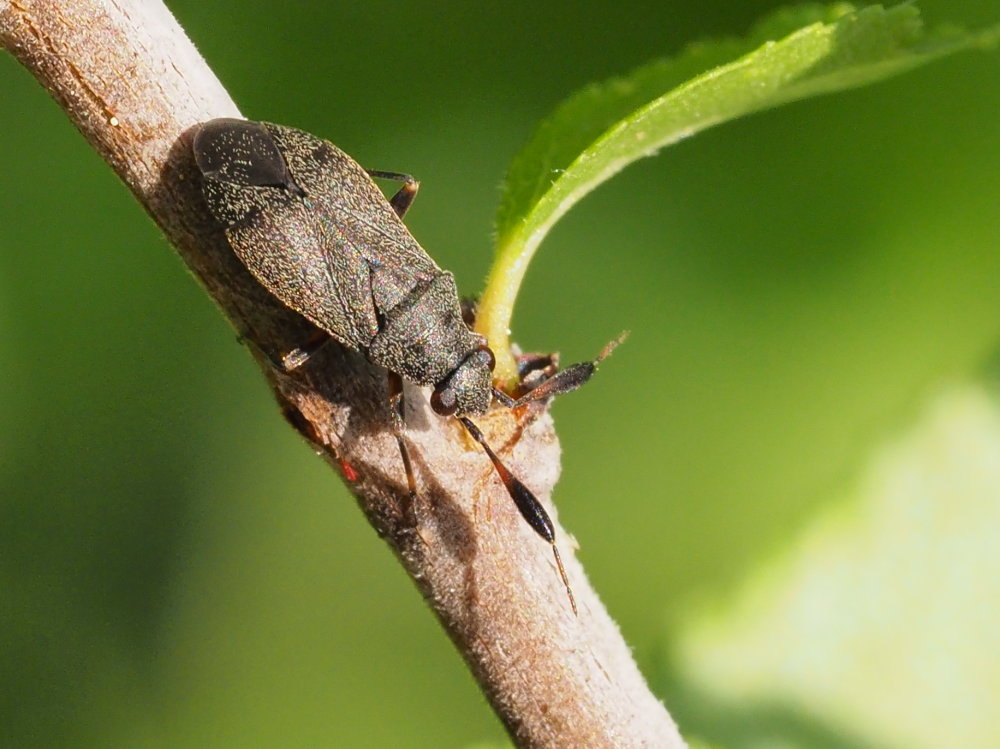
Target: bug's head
468 388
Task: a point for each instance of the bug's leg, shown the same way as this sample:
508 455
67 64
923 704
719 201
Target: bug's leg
402 200
397 410
299 356
527 504
294 358
528 364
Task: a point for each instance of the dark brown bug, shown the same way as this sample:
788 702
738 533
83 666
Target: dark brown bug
311 225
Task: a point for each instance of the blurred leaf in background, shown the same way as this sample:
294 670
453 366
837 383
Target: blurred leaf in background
178 571
882 615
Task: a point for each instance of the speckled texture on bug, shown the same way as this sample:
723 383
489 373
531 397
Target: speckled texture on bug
314 229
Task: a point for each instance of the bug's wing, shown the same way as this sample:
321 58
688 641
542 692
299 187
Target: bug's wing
356 213
300 256
310 268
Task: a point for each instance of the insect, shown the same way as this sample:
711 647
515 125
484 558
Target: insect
312 227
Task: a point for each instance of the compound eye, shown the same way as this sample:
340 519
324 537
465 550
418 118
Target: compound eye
444 402
491 360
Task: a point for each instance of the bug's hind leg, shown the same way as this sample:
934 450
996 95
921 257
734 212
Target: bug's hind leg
295 358
403 199
300 355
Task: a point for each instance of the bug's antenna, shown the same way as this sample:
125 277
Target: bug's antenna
564 380
531 509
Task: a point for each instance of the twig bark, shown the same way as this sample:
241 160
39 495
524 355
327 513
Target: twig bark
133 84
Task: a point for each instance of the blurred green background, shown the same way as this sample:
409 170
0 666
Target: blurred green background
178 570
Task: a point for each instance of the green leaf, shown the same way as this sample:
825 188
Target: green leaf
605 127
881 617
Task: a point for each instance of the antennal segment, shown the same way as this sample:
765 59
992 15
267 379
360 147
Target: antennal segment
528 505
